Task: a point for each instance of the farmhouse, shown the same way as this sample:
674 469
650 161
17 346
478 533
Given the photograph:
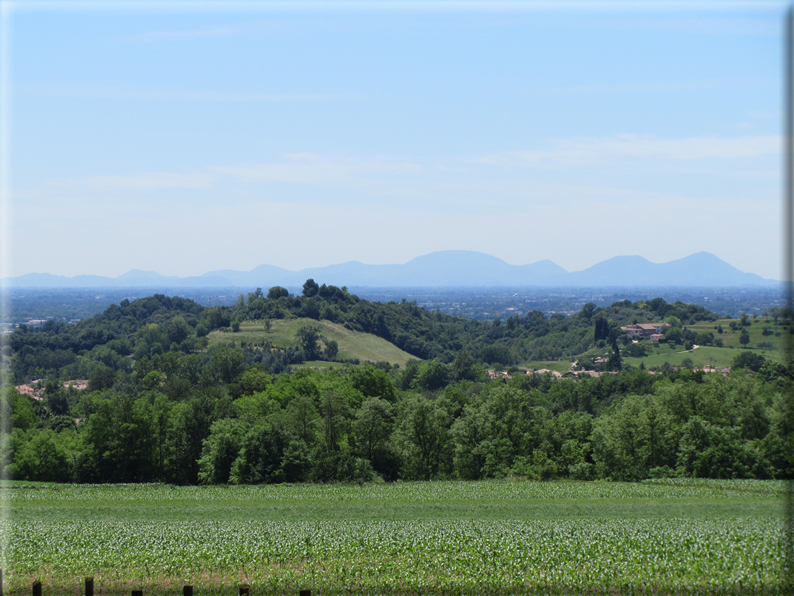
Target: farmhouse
578 374
643 330
31 390
543 371
492 374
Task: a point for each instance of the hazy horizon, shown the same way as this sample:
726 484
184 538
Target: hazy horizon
134 269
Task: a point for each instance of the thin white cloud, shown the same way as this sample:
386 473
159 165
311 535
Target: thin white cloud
765 115
464 183
147 181
661 86
583 152
410 6
127 94
185 34
295 168
234 29
311 168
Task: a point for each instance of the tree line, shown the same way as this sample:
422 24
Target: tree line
173 420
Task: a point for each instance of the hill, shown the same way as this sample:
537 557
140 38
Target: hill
131 331
702 269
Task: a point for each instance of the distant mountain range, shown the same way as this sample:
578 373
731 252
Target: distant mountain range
451 268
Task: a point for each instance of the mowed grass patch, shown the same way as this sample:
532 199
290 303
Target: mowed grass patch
702 356
283 334
562 366
516 537
755 330
712 355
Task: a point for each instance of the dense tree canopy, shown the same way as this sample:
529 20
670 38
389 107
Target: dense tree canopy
356 424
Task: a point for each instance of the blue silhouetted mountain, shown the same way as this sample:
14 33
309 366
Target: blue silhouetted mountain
438 269
701 269
450 268
245 278
137 277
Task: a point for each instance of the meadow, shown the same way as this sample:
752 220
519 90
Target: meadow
755 330
773 346
675 356
509 536
282 334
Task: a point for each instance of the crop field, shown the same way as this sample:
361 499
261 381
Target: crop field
682 536
352 344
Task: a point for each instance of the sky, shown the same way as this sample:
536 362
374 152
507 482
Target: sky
185 137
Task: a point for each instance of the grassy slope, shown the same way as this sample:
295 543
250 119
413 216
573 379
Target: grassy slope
352 344
367 347
713 356
703 356
756 333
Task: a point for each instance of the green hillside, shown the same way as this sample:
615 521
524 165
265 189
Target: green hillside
352 344
775 333
770 346
700 357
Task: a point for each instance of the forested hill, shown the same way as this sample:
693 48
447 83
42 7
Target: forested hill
162 405
130 331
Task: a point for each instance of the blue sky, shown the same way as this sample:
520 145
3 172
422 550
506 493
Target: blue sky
184 137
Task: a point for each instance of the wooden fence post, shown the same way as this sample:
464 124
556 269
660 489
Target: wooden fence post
37 588
186 591
89 586
245 590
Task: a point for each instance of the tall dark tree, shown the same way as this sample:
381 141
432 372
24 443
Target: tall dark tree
310 288
309 337
601 328
744 337
277 292
587 311
331 349
750 360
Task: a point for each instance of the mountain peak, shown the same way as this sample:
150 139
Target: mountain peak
445 268
467 257
140 273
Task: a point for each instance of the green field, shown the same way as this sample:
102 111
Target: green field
714 356
352 344
702 356
674 536
755 330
